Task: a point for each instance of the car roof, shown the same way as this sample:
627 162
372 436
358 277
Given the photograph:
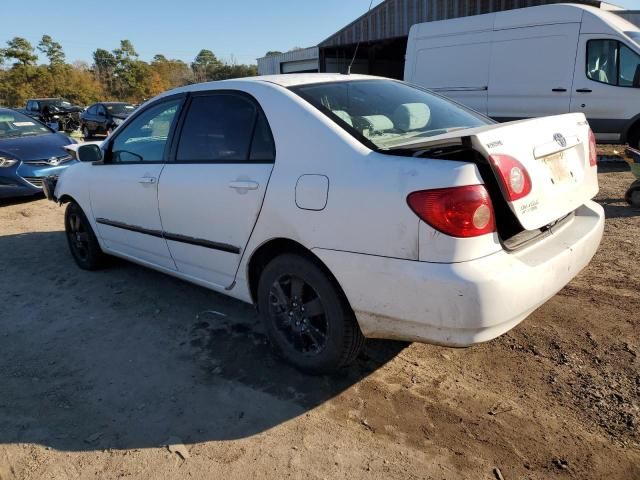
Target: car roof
113 103
45 98
285 80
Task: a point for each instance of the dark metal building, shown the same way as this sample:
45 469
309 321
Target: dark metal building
383 32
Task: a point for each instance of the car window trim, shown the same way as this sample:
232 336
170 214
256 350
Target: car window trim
207 93
170 135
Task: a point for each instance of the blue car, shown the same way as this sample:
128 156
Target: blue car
29 152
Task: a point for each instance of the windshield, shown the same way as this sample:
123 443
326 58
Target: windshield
14 124
120 109
387 113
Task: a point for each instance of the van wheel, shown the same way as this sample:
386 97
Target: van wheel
82 241
306 316
634 138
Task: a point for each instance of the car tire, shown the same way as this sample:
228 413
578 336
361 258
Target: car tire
82 241
306 316
86 133
634 138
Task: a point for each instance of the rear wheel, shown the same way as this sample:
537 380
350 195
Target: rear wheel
82 241
306 316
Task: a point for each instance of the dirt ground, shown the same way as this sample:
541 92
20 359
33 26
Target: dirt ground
100 371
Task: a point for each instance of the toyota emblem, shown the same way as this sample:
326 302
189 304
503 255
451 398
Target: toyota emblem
560 140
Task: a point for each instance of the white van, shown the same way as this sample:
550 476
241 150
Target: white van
536 61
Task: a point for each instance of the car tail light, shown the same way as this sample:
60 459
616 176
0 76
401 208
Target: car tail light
514 176
593 149
458 211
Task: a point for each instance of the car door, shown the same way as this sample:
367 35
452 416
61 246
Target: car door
532 71
124 187
101 119
211 192
604 88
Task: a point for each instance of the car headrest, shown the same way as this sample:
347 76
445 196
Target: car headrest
411 116
378 123
344 116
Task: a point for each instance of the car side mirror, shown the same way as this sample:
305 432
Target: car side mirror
90 153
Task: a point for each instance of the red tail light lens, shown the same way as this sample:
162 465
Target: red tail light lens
593 149
458 211
514 176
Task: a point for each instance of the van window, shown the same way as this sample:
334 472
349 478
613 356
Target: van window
613 63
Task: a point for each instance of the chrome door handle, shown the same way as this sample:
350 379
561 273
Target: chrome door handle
244 185
147 180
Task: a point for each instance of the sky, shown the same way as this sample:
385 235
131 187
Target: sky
240 29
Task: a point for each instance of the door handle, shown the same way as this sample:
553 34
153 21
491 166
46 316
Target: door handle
558 89
147 180
244 185
584 90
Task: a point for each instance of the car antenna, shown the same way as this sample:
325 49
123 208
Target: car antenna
357 45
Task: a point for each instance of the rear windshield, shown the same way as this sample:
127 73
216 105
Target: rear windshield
14 124
385 113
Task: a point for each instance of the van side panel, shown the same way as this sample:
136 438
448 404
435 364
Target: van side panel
531 72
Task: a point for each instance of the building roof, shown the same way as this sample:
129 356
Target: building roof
394 18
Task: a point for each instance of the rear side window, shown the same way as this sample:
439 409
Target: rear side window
224 128
92 110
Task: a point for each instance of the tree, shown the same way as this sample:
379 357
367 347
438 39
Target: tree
21 50
52 50
205 66
272 53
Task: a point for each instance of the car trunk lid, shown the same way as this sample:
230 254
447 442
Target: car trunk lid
555 153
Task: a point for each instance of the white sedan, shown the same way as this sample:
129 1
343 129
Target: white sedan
344 207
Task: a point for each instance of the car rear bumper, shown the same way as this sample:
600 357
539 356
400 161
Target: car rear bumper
460 304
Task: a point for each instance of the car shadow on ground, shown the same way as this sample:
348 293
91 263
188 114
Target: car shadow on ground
128 358
5 202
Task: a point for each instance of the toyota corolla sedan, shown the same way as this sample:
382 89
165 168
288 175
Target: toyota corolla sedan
29 151
343 207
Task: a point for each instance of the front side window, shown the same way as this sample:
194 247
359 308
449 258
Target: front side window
145 138
220 128
385 114
629 67
613 63
92 109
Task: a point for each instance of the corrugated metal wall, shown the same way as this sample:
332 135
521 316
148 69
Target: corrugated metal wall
394 18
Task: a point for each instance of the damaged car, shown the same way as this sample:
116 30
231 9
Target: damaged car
344 207
102 118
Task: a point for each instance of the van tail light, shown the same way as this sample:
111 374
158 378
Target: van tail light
515 178
593 149
458 211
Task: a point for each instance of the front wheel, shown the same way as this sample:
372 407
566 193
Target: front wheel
86 133
83 243
307 318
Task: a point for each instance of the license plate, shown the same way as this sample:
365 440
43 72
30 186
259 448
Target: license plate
558 166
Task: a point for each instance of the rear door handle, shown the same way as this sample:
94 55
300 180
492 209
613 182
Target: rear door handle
244 185
147 180
584 90
558 89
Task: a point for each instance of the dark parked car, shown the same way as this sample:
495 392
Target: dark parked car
54 112
104 117
29 152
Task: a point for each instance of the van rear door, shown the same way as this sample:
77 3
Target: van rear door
531 72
